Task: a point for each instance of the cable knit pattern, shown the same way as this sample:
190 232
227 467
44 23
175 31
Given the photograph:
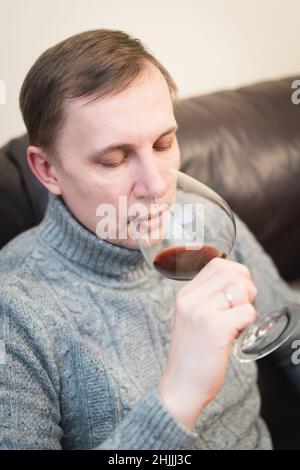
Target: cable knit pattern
85 327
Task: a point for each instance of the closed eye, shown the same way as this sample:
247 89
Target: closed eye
114 164
162 147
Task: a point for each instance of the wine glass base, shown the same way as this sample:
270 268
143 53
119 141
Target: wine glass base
266 334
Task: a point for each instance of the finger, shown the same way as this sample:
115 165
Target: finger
218 283
237 293
213 267
236 319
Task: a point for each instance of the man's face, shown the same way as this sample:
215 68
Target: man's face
118 148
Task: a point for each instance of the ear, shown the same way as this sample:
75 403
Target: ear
42 168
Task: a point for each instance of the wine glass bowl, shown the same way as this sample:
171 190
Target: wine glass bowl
184 237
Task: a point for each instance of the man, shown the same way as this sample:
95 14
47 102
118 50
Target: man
101 352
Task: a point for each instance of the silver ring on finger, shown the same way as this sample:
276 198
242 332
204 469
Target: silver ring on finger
229 298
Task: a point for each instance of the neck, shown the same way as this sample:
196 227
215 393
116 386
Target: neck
67 236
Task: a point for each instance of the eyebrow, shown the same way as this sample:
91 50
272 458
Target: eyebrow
124 146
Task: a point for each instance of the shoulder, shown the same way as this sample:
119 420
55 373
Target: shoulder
30 322
247 248
15 253
17 266
24 294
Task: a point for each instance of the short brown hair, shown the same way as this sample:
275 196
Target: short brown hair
90 64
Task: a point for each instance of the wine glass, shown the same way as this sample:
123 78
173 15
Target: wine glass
180 233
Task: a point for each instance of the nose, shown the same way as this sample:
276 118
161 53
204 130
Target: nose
150 181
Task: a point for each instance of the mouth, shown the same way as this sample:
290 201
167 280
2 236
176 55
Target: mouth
152 225
152 216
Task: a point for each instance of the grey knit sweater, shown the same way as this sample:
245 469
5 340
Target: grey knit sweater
84 335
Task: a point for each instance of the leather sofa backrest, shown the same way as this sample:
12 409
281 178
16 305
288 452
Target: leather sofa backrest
244 143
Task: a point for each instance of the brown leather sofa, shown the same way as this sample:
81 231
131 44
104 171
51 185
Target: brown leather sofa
244 143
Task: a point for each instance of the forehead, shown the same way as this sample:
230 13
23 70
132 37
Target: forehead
144 108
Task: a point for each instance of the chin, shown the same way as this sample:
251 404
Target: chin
129 243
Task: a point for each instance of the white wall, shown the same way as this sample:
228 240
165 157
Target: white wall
205 44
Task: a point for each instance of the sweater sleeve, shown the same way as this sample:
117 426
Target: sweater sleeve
29 393
29 405
150 426
273 293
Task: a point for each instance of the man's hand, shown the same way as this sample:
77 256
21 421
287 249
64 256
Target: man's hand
204 327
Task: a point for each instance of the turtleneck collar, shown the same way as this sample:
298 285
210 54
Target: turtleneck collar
60 230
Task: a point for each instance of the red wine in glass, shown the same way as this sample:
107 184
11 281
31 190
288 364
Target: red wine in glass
182 263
